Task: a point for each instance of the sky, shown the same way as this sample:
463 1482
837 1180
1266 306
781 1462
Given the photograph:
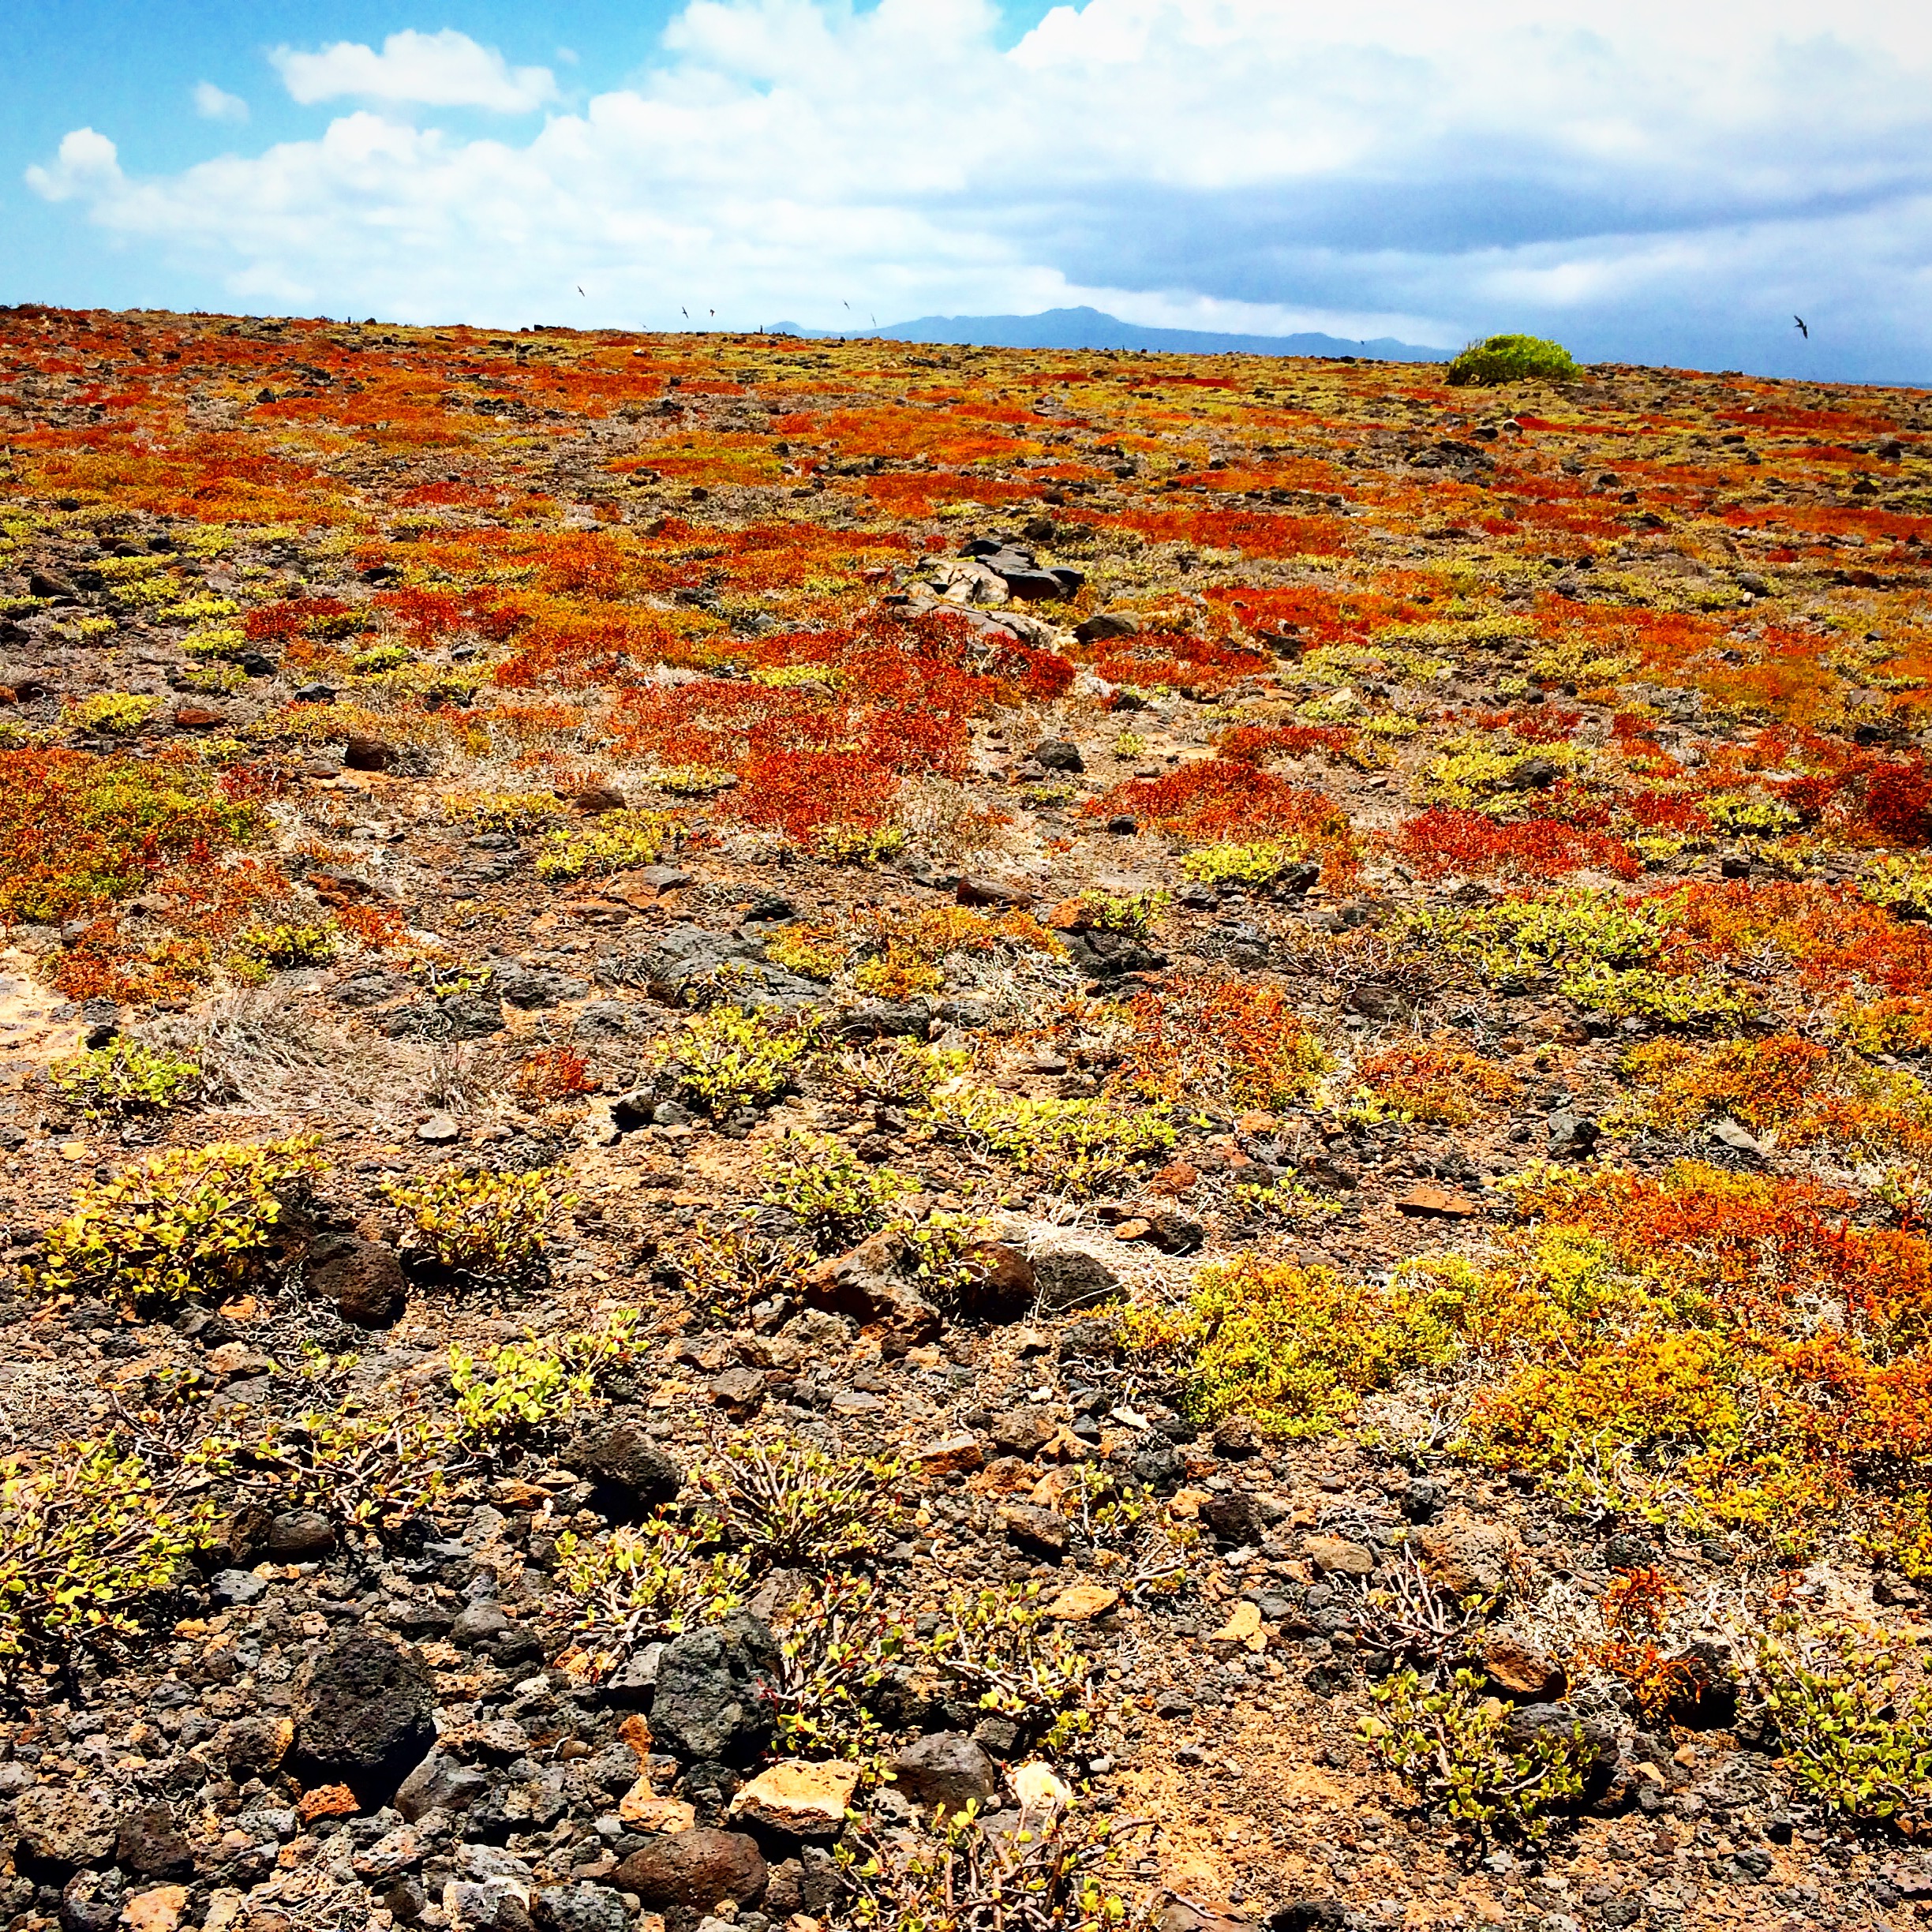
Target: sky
1655 180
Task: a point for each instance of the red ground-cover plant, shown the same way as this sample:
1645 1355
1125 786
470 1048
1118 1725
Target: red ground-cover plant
1444 840
1225 798
78 832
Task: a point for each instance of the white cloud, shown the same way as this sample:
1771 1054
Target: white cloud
213 104
1656 181
88 165
445 69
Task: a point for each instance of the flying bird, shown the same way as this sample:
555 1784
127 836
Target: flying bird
1801 330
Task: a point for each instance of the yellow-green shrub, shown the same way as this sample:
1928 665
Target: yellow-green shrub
610 843
126 1077
178 1223
489 1225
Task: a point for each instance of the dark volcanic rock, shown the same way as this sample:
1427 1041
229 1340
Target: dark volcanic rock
364 1278
710 1702
615 1450
946 1771
364 1710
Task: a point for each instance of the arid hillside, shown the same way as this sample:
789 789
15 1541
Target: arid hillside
844 1137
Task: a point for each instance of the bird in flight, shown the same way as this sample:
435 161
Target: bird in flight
580 291
1803 330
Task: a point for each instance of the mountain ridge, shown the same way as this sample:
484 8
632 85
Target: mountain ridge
1088 328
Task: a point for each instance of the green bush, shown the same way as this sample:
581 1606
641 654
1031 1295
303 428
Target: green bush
178 1223
637 1586
613 843
487 1225
124 1078
1001 1648
725 1059
792 1506
1084 1147
831 1194
1452 1747
1512 359
1854 1725
82 1541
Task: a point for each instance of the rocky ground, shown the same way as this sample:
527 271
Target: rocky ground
1029 1217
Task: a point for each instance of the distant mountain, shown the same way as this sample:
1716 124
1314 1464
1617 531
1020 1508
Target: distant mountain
1091 328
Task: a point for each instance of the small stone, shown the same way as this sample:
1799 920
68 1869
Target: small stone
804 1800
1243 1622
323 1801
991 892
644 1811
439 1783
951 1453
712 1701
1467 1558
695 1870
1436 1203
1338 1554
57 1828
300 1536
374 755
945 1771
439 1127
1571 1134
1024 1431
617 1449
1080 1603
149 1842
1042 1531
1233 1518
364 1278
1735 1137
1037 1789
579 1907
739 1392
158 1910
1059 754
364 1706
1523 1672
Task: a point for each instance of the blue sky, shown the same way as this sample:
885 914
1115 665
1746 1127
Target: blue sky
1649 182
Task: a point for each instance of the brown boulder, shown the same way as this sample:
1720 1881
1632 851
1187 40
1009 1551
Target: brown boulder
1469 1558
1520 1671
866 1284
364 1278
373 755
696 1870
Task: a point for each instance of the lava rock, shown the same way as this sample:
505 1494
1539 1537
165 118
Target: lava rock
364 1710
369 755
1233 1518
439 1783
695 1870
946 1772
149 1842
579 1907
1068 1278
615 1451
300 1536
56 1830
712 1699
364 1278
1572 1134
1059 754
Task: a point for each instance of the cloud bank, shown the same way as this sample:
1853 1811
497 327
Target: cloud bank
1655 182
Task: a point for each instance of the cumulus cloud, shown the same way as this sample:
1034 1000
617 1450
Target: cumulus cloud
213 104
87 165
1654 180
445 69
